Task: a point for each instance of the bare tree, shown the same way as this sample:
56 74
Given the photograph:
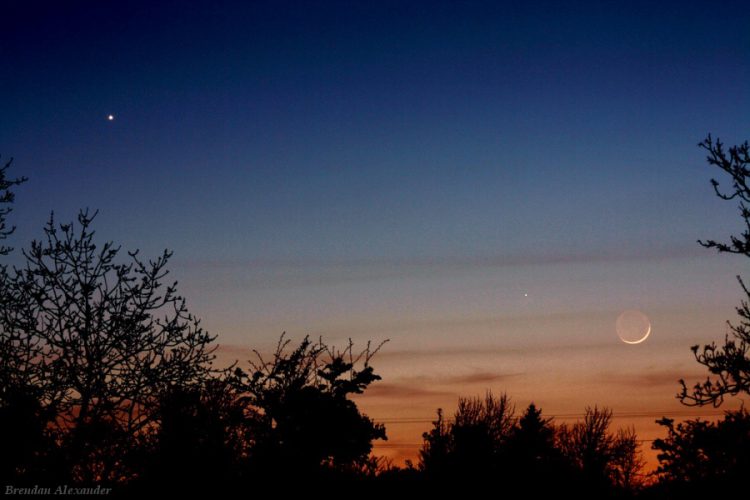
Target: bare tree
729 365
736 163
605 459
472 444
6 198
99 340
627 462
496 415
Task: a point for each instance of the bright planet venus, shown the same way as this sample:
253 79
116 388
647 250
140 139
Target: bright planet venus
633 327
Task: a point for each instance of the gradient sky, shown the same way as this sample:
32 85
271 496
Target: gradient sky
486 184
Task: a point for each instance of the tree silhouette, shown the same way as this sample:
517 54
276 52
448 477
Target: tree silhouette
729 365
436 454
28 449
99 342
604 460
534 436
304 424
11 367
529 455
23 436
480 429
736 163
708 455
200 444
531 452
472 445
6 198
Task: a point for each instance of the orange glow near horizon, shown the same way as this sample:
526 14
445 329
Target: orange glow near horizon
637 382
405 433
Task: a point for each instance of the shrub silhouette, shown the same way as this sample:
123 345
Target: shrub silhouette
706 455
304 424
200 442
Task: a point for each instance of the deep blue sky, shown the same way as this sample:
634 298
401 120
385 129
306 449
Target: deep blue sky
488 184
298 130
312 144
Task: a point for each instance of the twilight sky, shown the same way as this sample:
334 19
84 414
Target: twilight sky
487 184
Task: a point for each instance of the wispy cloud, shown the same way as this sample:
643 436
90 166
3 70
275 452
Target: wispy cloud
498 260
433 386
463 352
386 355
479 378
654 378
404 391
263 274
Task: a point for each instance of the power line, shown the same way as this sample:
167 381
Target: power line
559 416
410 446
567 416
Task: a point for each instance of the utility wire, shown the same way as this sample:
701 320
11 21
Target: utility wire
566 416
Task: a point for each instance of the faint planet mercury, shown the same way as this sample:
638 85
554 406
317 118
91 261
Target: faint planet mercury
110 117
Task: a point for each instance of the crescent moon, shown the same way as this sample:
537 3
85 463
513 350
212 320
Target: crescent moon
648 332
633 327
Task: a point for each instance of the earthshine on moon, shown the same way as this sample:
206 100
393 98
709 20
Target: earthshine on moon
633 327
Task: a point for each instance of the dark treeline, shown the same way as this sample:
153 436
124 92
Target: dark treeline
107 379
485 439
